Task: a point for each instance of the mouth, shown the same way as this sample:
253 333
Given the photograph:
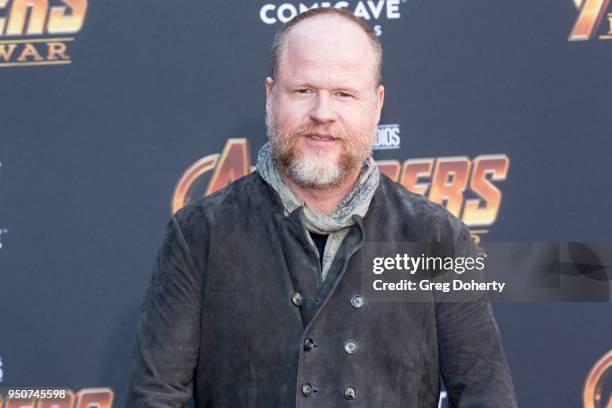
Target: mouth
322 138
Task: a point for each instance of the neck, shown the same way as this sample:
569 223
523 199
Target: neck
325 201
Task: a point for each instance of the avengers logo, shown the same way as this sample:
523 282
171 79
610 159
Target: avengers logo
53 21
590 17
465 186
86 398
597 391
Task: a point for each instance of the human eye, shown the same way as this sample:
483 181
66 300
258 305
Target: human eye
303 91
344 94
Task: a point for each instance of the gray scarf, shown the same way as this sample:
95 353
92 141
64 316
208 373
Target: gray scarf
336 224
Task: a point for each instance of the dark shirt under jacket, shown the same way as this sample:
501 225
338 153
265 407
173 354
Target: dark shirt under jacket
319 241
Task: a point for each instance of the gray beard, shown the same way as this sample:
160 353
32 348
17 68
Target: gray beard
315 173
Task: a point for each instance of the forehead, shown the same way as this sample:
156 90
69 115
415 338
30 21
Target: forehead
325 48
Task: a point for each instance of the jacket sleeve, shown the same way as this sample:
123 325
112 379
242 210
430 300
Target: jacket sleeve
168 332
472 360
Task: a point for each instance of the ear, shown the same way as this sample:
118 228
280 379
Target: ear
380 99
269 89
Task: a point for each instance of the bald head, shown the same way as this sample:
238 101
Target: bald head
328 31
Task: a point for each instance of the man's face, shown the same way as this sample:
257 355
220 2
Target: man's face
323 107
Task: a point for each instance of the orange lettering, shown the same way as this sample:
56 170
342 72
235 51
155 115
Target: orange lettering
235 162
449 182
476 213
19 11
588 20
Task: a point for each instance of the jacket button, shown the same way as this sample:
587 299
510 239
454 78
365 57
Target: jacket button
357 301
297 299
350 346
306 389
350 393
308 345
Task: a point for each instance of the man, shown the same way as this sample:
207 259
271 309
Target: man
256 297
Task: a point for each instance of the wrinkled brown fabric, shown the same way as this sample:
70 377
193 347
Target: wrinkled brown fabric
218 321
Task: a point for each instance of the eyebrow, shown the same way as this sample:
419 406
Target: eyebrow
310 85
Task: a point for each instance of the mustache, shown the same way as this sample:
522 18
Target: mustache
315 130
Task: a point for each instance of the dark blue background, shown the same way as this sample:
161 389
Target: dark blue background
91 153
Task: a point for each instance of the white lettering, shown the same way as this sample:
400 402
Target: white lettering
376 9
439 286
361 11
393 9
387 137
394 139
402 285
263 14
478 286
282 16
415 264
377 267
368 10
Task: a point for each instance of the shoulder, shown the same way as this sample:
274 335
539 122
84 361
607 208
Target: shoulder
424 219
243 197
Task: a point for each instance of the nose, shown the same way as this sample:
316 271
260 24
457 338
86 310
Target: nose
323 111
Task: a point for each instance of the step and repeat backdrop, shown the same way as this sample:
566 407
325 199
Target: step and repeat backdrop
115 113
